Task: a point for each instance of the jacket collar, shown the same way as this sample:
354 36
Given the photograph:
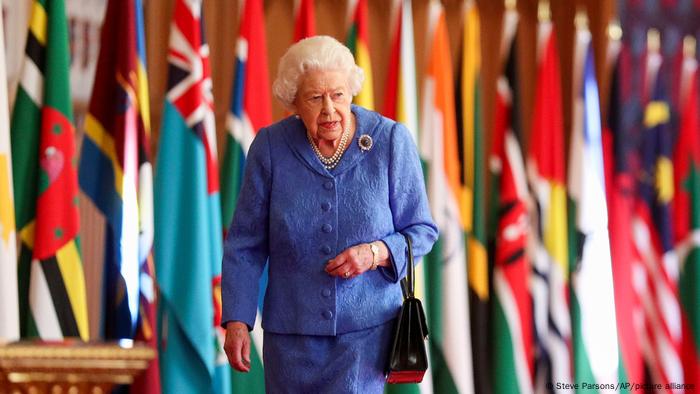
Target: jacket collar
366 122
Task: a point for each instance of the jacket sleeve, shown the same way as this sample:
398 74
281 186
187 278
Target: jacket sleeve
409 205
246 245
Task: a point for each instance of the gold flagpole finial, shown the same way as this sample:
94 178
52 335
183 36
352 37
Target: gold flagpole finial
511 4
689 46
581 19
615 30
653 40
544 13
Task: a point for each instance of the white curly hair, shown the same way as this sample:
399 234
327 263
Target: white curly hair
314 53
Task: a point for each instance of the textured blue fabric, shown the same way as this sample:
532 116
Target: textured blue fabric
296 213
354 362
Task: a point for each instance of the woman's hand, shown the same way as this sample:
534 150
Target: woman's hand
357 260
237 346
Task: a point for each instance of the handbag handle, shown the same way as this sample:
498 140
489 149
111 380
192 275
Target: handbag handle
408 284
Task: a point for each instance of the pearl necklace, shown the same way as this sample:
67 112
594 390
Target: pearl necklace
332 161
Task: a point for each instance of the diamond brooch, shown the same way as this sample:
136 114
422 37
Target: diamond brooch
365 142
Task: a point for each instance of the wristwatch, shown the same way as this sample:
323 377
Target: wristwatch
375 255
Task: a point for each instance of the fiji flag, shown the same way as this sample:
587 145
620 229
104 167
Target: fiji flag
188 242
250 110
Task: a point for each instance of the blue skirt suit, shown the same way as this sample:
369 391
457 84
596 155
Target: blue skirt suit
324 333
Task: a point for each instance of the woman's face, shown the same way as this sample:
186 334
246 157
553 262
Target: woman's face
323 103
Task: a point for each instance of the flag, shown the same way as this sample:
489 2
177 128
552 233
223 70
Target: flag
655 270
45 181
358 42
594 330
546 172
512 356
250 111
304 19
9 307
116 174
400 104
188 238
448 308
686 211
620 189
470 137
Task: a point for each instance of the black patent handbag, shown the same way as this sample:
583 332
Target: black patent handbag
408 359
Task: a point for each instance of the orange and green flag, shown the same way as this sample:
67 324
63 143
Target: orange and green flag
51 279
358 42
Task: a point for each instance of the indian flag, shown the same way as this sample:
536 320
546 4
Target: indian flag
9 307
358 42
448 309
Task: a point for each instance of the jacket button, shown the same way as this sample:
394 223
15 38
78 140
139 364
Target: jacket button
326 249
328 185
326 206
326 293
327 228
328 315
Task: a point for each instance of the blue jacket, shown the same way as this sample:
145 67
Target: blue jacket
295 214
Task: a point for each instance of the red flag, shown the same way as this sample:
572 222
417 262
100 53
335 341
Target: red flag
304 19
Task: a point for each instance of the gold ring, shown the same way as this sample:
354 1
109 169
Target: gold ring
346 274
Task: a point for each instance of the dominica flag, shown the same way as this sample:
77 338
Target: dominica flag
512 356
470 137
547 176
116 174
400 104
686 210
358 42
188 239
304 19
9 307
594 329
250 110
45 180
447 299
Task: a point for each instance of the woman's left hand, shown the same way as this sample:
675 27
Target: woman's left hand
355 261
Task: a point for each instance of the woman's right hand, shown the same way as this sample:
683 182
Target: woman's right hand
237 346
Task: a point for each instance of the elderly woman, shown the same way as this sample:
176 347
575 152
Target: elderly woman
326 196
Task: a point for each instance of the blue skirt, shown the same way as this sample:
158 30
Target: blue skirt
354 362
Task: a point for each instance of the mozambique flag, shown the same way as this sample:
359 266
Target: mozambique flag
547 176
9 307
358 42
656 262
594 332
686 219
400 104
45 180
512 356
116 173
620 190
304 19
448 308
188 239
250 111
471 149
